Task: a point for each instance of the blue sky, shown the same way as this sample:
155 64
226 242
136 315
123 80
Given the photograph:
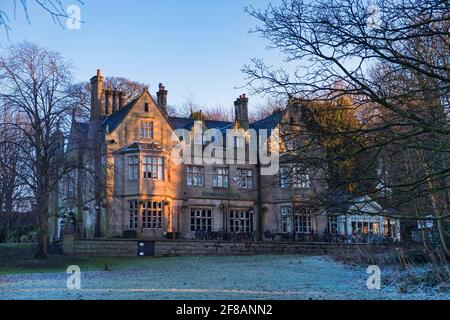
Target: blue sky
196 48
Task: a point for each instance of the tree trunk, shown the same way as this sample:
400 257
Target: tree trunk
42 207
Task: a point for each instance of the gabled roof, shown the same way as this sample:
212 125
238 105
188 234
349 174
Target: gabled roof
114 120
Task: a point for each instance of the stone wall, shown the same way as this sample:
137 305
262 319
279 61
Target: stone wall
167 248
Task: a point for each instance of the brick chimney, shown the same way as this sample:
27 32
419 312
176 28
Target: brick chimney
115 101
107 101
97 109
241 112
162 98
121 99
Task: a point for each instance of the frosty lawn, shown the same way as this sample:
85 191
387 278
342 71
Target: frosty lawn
256 277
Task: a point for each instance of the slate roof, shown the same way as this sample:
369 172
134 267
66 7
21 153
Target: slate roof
188 123
269 122
113 121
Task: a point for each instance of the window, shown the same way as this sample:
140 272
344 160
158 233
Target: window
301 179
291 145
201 220
146 130
153 168
133 168
220 178
195 176
302 220
146 107
365 228
152 215
286 219
284 177
241 221
133 214
333 224
245 178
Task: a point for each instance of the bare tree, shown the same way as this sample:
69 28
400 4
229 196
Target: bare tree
34 85
55 8
81 94
12 187
391 57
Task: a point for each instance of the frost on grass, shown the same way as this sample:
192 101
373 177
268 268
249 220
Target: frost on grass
260 277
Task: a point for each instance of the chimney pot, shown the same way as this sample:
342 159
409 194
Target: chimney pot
241 111
162 98
97 107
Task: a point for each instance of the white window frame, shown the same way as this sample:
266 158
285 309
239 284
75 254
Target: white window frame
284 177
221 178
133 167
245 177
201 220
241 221
303 221
153 168
133 214
195 176
146 130
333 221
286 219
301 178
152 215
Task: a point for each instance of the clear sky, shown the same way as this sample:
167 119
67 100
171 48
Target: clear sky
195 47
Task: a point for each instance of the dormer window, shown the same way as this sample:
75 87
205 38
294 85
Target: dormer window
146 130
146 107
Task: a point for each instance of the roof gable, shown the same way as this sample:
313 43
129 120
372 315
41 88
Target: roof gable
114 120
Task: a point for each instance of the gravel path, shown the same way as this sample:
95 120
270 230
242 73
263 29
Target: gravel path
260 277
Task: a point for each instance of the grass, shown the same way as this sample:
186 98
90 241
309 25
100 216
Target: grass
18 259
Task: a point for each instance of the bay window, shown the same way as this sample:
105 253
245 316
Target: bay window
153 168
133 168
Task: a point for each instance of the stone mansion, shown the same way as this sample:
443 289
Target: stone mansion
125 184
